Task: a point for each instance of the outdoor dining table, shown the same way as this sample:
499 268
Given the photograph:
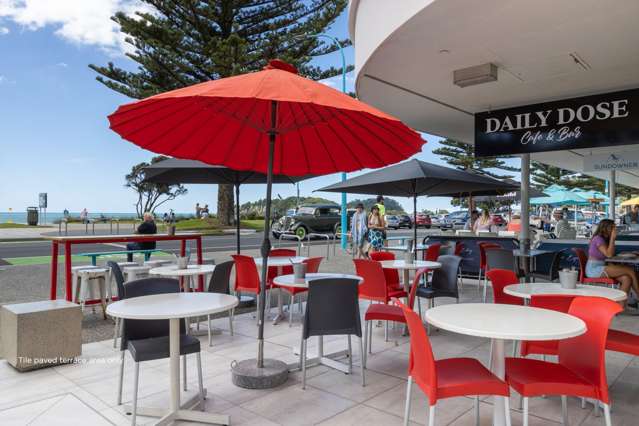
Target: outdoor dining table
406 267
530 259
527 290
321 358
501 322
68 241
175 306
625 259
189 273
279 262
405 247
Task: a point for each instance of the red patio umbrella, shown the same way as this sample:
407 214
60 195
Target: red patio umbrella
271 121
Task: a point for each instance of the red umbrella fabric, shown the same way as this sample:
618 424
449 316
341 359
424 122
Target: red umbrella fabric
227 122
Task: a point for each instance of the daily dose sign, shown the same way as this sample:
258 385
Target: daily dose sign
591 121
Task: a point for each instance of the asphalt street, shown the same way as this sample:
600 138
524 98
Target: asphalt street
209 244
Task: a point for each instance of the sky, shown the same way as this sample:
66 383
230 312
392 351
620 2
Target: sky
54 133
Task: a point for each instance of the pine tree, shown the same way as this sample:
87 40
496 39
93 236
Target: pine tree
461 155
183 42
544 175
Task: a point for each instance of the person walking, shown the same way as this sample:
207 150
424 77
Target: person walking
84 216
359 226
146 227
376 228
198 211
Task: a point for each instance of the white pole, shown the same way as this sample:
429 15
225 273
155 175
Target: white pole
612 194
524 235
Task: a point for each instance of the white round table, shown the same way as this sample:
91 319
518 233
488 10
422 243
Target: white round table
527 290
174 306
500 322
290 280
190 272
407 267
279 262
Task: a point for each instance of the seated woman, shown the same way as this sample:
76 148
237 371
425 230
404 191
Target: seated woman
602 246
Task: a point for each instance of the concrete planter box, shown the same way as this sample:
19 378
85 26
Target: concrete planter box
41 334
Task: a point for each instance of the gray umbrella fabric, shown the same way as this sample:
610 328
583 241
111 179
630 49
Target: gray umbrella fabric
414 178
174 171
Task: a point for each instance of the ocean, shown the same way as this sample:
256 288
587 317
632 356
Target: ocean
54 217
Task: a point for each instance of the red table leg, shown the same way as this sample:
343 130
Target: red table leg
67 270
54 270
198 241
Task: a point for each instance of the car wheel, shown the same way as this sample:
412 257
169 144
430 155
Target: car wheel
301 232
338 229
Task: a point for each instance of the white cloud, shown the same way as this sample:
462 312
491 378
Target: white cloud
62 65
4 30
86 22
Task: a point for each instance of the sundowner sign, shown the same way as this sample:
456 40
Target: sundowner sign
591 121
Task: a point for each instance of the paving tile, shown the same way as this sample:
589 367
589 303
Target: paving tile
31 387
364 415
294 406
223 387
350 386
64 409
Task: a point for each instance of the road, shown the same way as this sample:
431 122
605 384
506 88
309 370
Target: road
209 244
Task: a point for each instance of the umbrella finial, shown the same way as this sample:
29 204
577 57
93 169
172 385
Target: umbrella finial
278 64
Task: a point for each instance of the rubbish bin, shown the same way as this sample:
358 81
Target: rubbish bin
32 216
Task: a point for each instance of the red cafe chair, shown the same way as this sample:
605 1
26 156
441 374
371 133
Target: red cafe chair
312 266
247 279
555 302
446 378
500 278
391 275
384 312
286 270
581 369
432 252
583 258
482 262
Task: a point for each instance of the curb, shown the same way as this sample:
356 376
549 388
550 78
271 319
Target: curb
17 240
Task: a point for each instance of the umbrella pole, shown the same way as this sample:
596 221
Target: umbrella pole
415 224
237 217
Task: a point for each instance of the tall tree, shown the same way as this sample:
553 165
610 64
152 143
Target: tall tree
544 175
183 42
150 195
461 156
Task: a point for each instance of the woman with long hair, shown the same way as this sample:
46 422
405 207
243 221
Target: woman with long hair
484 222
602 246
376 227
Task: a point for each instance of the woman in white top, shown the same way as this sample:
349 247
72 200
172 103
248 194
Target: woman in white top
358 231
483 223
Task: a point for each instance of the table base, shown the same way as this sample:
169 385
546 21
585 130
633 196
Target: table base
322 359
498 363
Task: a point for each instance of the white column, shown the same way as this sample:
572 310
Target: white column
612 194
524 235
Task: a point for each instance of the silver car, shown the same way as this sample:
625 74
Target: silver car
392 221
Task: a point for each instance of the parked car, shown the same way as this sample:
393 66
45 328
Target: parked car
405 221
312 218
423 220
456 220
392 221
435 221
498 220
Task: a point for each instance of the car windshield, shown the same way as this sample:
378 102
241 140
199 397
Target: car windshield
458 215
306 210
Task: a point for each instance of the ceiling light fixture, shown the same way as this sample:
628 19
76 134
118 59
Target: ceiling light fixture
478 74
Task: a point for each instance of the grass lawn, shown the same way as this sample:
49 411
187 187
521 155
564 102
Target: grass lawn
211 226
19 225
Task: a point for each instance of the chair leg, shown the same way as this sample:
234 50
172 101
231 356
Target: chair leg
386 331
231 315
419 308
135 393
303 354
485 288
606 410
362 354
431 416
102 287
365 338
564 410
370 340
208 320
290 310
525 411
200 382
514 348
490 356
350 355
476 407
257 309
184 373
121 378
507 410
409 388
115 332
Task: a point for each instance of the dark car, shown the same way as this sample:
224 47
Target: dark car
313 218
405 221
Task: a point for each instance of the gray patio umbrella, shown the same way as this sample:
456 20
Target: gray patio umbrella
414 178
174 171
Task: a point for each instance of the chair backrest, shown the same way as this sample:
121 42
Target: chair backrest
567 234
583 258
459 248
279 252
421 361
554 302
482 252
586 354
374 285
419 274
499 258
145 329
313 264
246 276
432 252
332 308
391 275
500 278
220 279
445 278
117 274
555 264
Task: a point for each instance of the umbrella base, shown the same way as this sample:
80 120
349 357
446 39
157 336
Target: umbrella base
247 375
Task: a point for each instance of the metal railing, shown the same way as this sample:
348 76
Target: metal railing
328 238
290 236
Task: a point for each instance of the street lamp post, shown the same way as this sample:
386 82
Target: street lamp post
344 221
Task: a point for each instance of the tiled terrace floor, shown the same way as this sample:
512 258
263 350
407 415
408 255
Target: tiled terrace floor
85 394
